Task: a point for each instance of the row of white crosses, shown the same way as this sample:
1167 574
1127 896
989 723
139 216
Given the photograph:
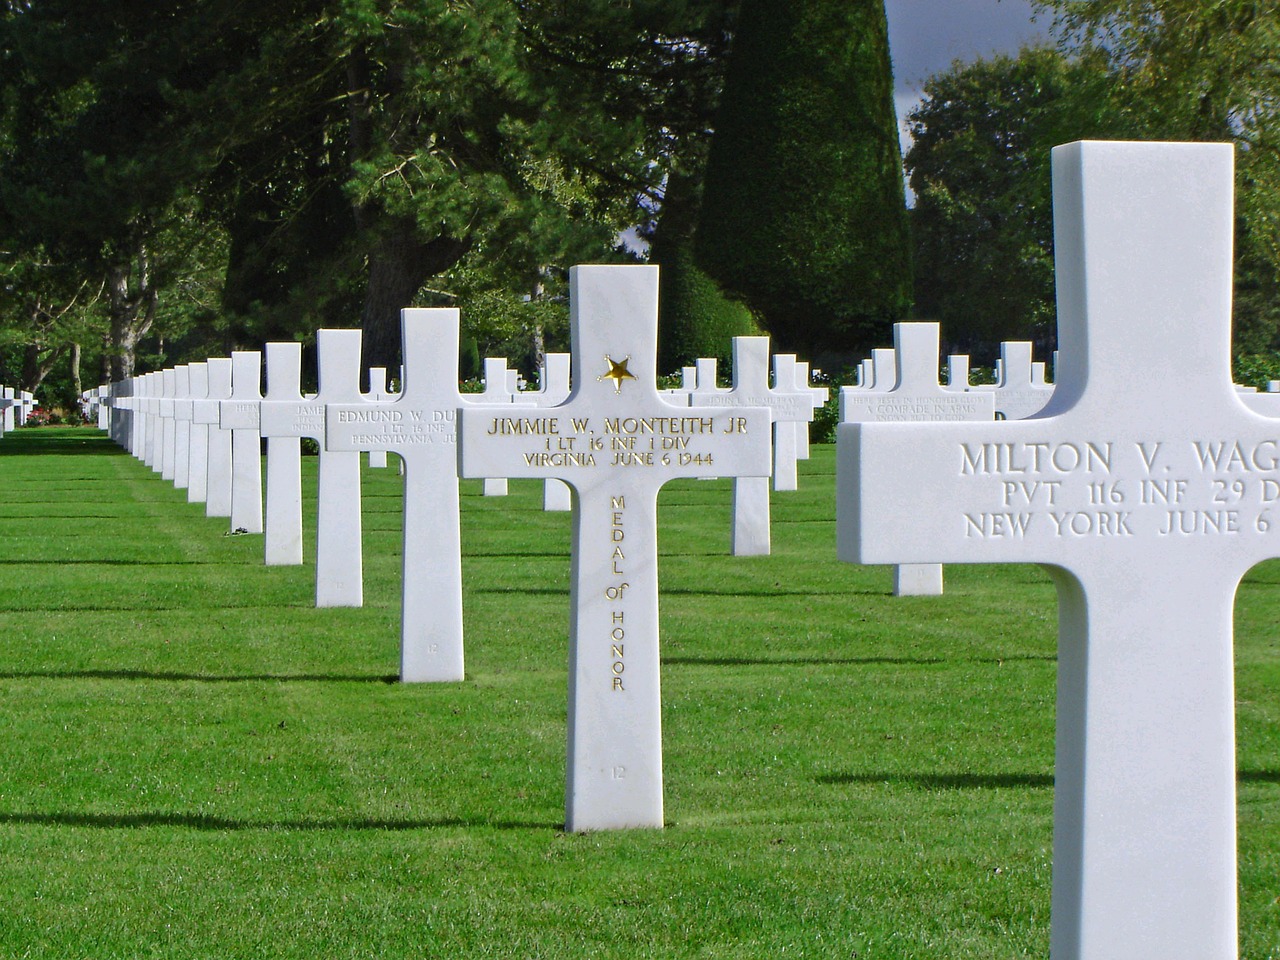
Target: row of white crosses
15 408
1147 489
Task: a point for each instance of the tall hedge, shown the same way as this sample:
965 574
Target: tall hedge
695 318
803 213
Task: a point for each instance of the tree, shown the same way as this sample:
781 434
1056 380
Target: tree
1202 70
979 167
803 215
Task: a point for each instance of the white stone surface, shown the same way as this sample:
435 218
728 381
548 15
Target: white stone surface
958 372
553 389
218 457
497 389
198 445
1021 390
241 415
1148 489
917 397
615 441
181 425
168 429
339 548
284 415
786 406
420 427
378 393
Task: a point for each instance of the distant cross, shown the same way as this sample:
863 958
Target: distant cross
339 549
497 389
786 407
282 412
378 393
917 397
168 429
616 442
240 415
1021 391
420 427
198 446
1148 489
182 426
553 390
208 411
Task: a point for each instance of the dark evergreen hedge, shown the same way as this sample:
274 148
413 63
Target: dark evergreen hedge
803 213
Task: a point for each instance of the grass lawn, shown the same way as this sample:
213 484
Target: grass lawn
196 763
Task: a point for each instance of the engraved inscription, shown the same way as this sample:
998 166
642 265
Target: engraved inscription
1102 488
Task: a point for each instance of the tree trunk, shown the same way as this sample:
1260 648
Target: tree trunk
75 370
399 264
132 309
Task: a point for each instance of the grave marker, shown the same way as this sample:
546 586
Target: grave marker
1021 390
917 397
553 390
181 426
198 445
1148 489
420 427
339 552
217 501
615 441
378 393
282 525
240 415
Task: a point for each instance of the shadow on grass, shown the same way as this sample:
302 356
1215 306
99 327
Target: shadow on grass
174 677
946 781
27 443
770 592
839 661
990 781
196 821
87 562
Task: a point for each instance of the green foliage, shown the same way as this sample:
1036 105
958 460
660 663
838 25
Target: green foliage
1201 70
1255 369
979 167
695 318
197 763
803 215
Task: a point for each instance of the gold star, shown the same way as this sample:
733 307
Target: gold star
617 372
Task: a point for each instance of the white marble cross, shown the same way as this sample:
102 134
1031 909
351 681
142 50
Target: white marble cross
553 390
240 415
1148 489
198 445
497 389
818 397
420 427
958 372
182 426
1021 391
339 553
786 407
283 412
878 372
917 397
378 393
616 442
168 430
208 411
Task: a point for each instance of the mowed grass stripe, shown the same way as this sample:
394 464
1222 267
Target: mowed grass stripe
195 762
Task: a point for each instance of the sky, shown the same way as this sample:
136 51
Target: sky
926 35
